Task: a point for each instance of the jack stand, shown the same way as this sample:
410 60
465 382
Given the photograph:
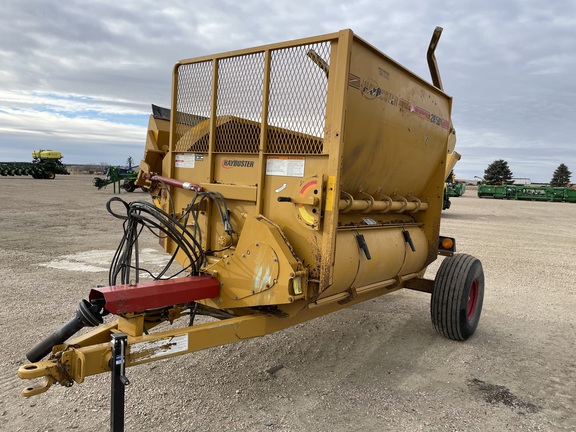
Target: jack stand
118 380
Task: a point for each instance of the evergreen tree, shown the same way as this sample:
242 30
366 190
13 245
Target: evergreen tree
561 176
498 172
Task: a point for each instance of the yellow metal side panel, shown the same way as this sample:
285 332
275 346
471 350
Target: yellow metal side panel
259 271
396 127
240 169
301 223
157 142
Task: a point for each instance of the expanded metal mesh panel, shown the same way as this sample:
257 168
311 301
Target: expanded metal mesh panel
297 103
193 107
239 107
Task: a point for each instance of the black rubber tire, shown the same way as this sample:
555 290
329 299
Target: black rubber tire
130 186
50 175
457 297
98 182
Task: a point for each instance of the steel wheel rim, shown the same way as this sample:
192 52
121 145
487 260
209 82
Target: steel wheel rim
472 299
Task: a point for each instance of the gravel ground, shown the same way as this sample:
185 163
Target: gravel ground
372 367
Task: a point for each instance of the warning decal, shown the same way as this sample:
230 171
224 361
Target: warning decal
285 166
184 160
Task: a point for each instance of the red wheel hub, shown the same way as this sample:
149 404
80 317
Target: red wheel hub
472 299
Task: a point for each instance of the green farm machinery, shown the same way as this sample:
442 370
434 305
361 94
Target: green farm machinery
454 188
119 177
45 165
528 192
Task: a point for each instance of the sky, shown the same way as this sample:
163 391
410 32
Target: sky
79 77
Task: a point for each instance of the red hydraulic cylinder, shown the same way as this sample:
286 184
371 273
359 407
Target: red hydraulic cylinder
173 182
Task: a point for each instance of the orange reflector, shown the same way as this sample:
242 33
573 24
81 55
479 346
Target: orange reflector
447 243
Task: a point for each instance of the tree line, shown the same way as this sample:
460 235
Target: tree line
498 172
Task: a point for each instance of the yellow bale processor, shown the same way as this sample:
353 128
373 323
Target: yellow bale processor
288 181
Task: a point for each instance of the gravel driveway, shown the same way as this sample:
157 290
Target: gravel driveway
372 367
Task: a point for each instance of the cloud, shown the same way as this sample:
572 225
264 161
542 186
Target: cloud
78 72
78 129
31 120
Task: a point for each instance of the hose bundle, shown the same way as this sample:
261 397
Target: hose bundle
140 215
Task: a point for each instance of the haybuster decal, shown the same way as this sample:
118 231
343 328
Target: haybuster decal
232 163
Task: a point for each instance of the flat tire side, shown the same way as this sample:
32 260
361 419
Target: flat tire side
457 297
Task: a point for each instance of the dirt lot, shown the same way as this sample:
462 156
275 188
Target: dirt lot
376 366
